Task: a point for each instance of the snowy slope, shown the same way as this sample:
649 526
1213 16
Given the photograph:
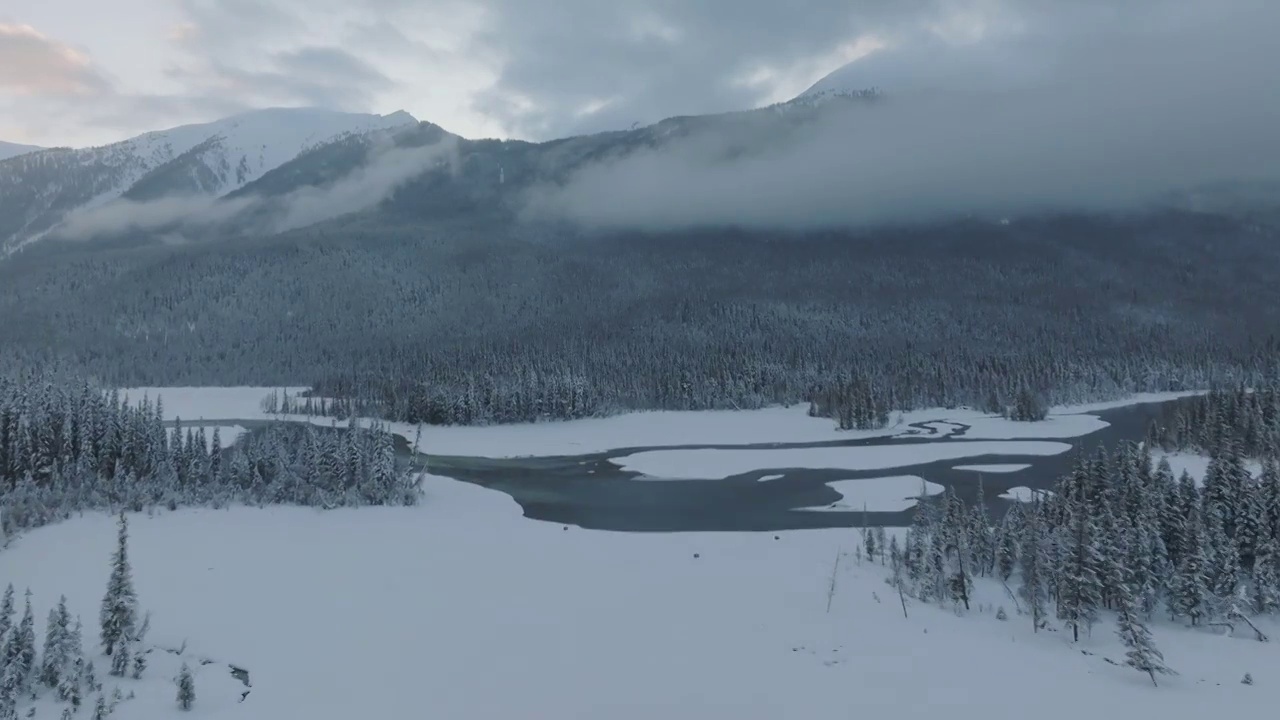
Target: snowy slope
39 189
463 609
229 154
8 149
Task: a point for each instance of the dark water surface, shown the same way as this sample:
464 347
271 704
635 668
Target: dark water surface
592 492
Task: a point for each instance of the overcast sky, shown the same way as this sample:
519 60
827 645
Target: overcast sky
81 72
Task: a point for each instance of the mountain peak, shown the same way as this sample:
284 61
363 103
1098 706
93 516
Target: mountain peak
400 117
8 149
206 159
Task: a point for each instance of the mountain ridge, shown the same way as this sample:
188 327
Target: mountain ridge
40 189
8 149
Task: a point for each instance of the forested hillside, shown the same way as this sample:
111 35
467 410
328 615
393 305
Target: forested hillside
1119 534
472 322
67 447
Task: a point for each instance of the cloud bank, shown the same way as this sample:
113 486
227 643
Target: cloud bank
386 169
1099 120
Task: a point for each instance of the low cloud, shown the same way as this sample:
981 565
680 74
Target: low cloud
193 213
386 169
33 64
1104 120
367 186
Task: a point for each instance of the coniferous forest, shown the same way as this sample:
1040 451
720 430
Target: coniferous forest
474 321
1120 534
66 448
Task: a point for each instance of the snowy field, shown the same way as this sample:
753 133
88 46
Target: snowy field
888 494
463 609
995 468
192 404
715 427
1022 494
1197 465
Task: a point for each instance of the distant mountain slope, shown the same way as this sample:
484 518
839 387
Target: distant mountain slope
489 177
8 149
39 189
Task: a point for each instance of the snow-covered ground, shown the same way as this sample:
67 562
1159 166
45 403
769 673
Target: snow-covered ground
199 403
714 464
1196 464
1022 494
714 427
994 468
885 494
227 434
464 609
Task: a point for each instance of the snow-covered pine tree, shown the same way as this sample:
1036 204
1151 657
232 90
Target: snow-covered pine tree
186 688
1143 655
100 711
119 605
1189 594
71 675
55 640
89 678
1080 590
1266 579
6 611
981 538
1269 491
27 645
1033 562
1251 524
121 658
1142 581
1007 550
11 679
1225 566
1171 515
139 664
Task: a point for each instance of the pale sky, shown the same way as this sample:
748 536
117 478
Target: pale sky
85 72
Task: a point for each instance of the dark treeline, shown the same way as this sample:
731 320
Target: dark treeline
1118 534
467 322
1249 420
66 448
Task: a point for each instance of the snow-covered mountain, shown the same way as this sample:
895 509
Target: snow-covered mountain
8 149
39 189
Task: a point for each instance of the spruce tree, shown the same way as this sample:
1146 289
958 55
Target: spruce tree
983 550
54 644
1006 552
186 688
1143 655
1034 564
73 665
1081 587
119 605
1189 590
11 679
1266 579
6 611
100 711
27 645
120 659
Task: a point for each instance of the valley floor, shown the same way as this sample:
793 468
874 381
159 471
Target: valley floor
462 608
